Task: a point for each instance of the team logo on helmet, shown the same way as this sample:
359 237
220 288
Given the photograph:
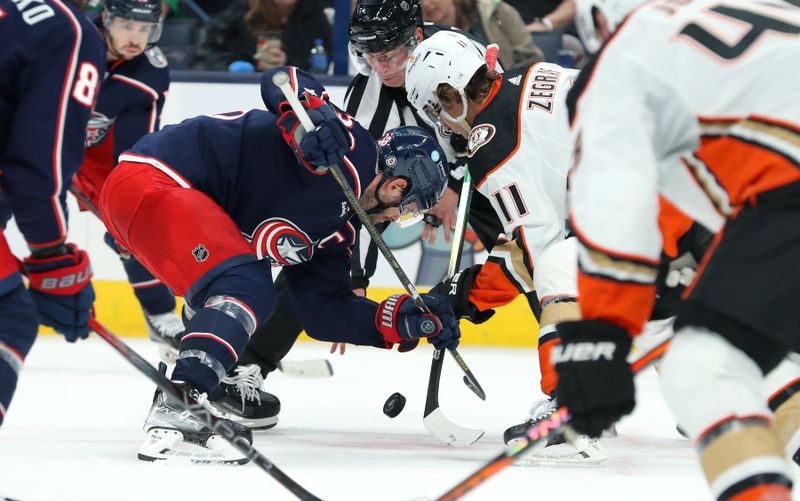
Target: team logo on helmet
200 253
282 242
480 135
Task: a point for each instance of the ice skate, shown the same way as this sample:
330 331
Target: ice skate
556 450
173 434
239 397
166 330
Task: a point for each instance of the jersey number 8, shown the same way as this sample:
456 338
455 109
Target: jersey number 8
86 86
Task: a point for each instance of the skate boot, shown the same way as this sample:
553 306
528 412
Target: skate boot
239 398
166 330
581 451
179 435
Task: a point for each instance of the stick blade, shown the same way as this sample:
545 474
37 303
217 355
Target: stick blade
449 432
314 368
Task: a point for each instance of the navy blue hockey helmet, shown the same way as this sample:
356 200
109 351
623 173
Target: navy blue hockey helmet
146 11
412 153
383 25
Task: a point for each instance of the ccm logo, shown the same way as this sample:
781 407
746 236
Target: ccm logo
583 352
66 281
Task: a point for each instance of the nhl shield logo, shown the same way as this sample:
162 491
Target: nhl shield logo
200 253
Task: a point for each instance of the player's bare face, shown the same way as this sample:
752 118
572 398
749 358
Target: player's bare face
129 38
390 65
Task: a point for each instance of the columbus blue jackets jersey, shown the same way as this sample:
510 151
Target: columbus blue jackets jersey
129 106
50 70
292 217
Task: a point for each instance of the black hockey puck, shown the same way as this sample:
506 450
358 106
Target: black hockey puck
394 405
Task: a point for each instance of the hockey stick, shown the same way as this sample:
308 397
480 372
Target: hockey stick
281 80
557 423
201 412
434 420
314 368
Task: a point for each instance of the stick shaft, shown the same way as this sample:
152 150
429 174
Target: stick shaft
201 413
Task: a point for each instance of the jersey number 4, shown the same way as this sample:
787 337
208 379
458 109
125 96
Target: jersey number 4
760 24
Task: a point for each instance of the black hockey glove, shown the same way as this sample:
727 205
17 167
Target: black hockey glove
595 382
324 146
457 289
400 321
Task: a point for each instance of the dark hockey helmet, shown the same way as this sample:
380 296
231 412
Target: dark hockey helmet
382 25
412 153
147 11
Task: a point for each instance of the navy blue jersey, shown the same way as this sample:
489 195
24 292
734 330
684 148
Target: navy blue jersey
129 106
50 69
292 217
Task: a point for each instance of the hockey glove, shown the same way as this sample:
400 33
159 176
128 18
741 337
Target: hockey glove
400 321
595 381
61 289
326 145
457 289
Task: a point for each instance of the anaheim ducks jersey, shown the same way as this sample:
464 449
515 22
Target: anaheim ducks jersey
519 154
697 100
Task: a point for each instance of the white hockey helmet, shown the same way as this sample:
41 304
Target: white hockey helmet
446 57
615 11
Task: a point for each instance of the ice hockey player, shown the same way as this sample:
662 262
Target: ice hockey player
250 191
518 163
382 35
50 70
128 107
713 124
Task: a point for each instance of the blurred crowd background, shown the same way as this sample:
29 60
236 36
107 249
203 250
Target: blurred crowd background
255 35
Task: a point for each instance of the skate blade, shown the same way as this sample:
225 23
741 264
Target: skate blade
254 424
167 445
584 453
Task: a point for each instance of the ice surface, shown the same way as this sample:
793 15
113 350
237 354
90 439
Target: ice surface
74 427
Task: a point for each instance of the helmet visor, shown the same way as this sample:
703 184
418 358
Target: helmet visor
432 112
132 33
391 63
410 213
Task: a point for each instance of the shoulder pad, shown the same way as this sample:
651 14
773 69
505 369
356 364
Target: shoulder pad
156 57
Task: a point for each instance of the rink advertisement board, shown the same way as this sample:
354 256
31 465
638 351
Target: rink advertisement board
197 94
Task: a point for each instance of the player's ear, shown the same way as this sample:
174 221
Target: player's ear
418 35
394 188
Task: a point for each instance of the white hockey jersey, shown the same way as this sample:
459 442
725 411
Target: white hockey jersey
696 100
519 154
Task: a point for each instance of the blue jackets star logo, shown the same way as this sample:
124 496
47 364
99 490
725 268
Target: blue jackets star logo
282 242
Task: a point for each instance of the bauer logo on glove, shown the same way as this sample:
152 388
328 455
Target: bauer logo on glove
583 352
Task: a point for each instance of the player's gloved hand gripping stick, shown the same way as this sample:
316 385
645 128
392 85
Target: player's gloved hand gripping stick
281 80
